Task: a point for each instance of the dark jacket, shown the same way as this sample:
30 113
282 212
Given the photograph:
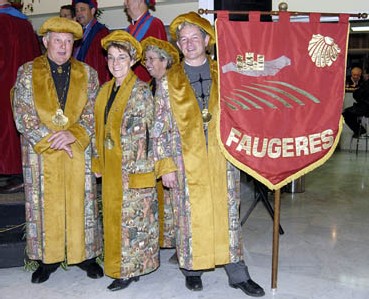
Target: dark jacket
361 96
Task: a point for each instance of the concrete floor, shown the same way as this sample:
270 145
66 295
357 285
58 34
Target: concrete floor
323 253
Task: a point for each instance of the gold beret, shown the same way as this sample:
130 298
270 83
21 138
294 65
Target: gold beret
121 36
61 25
161 44
193 18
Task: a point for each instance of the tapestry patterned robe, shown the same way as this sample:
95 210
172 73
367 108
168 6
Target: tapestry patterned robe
130 206
206 200
62 217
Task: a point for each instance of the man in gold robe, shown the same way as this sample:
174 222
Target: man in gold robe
206 196
53 102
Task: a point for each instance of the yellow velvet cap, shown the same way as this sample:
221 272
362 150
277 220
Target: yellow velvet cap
61 25
193 18
121 36
161 44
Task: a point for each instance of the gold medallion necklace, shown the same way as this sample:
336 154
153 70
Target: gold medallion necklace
206 115
202 96
109 142
59 119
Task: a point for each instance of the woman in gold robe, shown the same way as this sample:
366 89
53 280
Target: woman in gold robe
124 116
158 57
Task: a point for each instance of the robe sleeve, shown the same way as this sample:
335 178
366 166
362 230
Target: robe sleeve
24 112
162 136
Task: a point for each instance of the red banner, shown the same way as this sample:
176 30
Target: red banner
281 89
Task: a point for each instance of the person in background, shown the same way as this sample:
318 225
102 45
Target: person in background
353 114
159 56
53 101
124 116
16 35
355 79
88 49
366 75
209 232
143 25
68 11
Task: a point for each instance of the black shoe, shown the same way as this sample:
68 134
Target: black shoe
173 259
194 283
249 287
120 284
42 274
12 187
92 269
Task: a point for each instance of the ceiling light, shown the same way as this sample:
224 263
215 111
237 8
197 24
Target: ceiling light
360 28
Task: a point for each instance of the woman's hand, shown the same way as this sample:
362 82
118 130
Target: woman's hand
169 180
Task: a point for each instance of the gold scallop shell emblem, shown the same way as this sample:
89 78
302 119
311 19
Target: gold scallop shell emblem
322 50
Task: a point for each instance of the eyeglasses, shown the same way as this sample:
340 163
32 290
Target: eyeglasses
150 59
119 59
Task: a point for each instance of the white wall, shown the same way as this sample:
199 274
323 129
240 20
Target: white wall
114 17
52 6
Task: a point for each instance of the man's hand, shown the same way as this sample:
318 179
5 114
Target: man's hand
62 140
68 150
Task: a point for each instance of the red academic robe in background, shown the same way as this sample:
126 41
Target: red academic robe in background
18 44
95 56
156 29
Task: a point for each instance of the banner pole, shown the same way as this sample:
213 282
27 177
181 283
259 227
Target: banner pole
277 205
364 15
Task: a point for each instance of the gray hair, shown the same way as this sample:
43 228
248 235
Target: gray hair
163 55
48 33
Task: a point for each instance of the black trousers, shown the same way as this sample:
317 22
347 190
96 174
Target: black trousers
351 119
237 272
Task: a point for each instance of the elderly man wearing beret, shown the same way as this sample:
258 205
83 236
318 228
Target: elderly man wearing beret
207 200
53 102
